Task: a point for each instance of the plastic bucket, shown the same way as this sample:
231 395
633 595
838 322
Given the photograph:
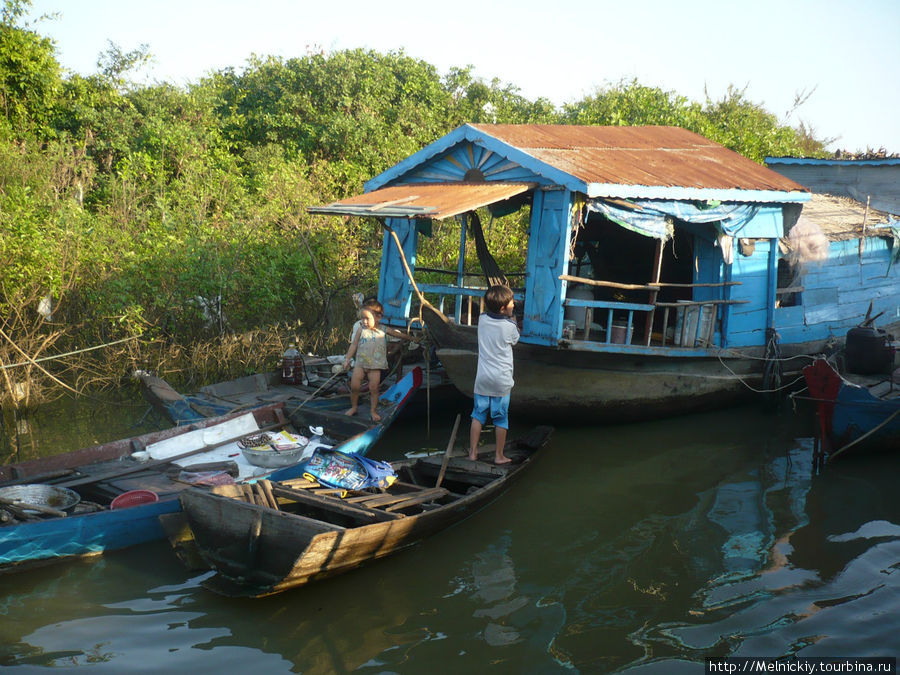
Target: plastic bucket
618 334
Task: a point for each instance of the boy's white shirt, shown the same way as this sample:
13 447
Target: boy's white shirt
496 338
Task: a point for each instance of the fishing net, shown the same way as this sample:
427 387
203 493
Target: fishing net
808 244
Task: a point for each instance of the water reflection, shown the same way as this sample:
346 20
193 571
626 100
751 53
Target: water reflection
794 581
71 424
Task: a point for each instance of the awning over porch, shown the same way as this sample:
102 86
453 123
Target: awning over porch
424 200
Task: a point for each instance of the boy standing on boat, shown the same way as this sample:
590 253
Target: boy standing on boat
497 333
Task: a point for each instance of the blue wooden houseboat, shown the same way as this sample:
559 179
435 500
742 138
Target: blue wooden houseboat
660 276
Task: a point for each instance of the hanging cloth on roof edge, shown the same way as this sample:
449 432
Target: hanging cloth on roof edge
655 218
894 226
489 266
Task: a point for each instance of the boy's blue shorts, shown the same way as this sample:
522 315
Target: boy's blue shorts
499 407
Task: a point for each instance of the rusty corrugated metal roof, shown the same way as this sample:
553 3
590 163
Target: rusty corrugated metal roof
654 156
424 200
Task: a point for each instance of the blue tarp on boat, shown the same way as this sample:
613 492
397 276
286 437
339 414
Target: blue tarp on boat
655 218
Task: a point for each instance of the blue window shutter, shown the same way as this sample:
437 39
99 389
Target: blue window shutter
547 253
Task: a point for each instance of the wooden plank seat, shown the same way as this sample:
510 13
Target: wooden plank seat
335 503
392 500
420 498
383 502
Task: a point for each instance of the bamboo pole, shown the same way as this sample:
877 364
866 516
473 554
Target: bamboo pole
657 271
643 287
446 459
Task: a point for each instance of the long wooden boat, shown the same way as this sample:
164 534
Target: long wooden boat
158 467
311 532
859 415
663 272
323 389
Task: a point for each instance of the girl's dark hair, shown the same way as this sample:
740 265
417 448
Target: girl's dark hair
373 305
497 297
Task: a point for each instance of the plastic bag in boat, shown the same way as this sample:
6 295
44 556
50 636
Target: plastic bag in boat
336 469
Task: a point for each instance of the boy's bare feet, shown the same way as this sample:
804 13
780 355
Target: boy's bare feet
351 412
502 460
473 455
375 416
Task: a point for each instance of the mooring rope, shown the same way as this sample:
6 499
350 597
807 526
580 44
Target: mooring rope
59 356
32 361
866 435
754 389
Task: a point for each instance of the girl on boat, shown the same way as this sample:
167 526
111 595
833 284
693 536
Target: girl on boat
369 346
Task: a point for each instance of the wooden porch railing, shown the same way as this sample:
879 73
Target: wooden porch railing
694 325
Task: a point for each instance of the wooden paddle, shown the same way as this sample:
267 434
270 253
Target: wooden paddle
313 395
440 477
8 506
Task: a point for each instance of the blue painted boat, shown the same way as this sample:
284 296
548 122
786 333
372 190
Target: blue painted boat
859 415
663 272
100 474
322 390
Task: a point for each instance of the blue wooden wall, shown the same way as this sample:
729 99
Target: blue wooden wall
838 292
548 246
747 322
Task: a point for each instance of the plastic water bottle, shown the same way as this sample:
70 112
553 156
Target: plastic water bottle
291 366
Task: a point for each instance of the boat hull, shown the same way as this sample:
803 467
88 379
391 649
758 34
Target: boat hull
580 386
290 551
42 542
849 415
253 391
259 551
857 413
573 384
38 542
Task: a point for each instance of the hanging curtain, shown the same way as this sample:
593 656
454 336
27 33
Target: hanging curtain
656 218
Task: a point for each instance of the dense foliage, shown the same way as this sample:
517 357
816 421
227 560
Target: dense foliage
179 213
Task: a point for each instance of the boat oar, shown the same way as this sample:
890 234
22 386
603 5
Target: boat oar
313 395
446 459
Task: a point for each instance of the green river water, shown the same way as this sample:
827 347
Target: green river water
636 548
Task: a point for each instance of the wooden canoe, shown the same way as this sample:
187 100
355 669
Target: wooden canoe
102 473
326 392
314 533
